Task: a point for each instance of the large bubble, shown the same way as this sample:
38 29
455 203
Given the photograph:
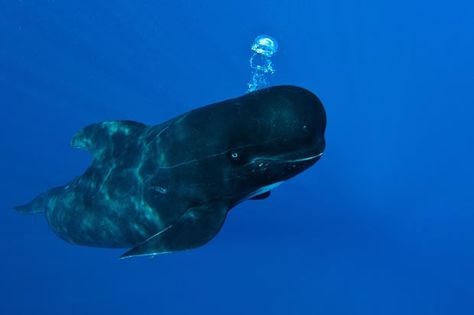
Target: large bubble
264 47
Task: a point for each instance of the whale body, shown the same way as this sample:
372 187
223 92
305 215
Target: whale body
168 187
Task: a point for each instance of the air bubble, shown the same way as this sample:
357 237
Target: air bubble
263 47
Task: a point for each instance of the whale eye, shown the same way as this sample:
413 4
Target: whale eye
236 157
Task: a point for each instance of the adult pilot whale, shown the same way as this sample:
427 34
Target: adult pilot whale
165 188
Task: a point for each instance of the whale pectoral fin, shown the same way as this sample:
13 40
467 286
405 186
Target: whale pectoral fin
265 195
102 138
194 228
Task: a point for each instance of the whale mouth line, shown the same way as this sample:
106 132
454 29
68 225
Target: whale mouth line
309 158
286 160
303 159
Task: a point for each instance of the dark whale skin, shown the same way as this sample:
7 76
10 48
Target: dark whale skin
168 187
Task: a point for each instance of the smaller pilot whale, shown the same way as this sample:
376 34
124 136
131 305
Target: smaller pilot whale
169 187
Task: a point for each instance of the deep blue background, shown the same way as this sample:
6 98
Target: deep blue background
383 224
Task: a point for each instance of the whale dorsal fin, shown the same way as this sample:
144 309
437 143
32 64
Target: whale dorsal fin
194 228
104 138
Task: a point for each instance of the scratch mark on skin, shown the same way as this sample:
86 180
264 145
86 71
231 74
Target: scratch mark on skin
213 155
194 160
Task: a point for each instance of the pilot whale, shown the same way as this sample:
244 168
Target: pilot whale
166 188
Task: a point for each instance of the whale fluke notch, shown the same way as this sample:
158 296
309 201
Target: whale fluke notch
101 138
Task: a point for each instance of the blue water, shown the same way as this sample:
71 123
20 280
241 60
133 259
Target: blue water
382 224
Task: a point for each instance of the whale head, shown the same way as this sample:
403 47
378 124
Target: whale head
275 134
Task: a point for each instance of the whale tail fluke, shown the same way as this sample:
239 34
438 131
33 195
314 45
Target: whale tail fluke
37 205
28 208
